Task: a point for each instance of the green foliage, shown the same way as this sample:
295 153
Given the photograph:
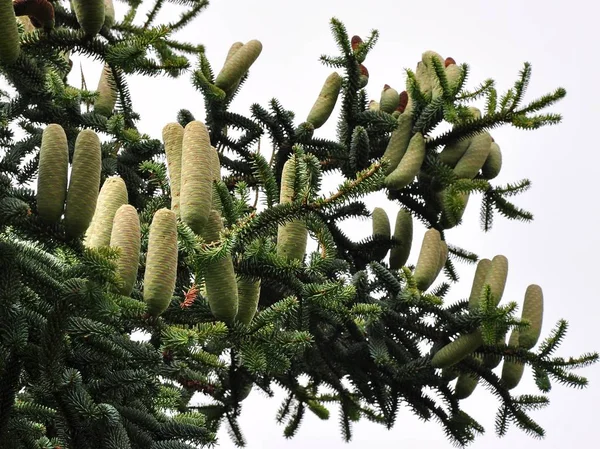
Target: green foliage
82 366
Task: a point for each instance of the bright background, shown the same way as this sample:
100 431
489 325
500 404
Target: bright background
560 40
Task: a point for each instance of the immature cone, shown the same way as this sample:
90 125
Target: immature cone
215 168
113 195
363 80
426 269
219 276
381 227
465 385
10 45
237 65
374 106
325 103
355 42
496 277
107 93
473 159
40 12
291 236
196 176
172 136
512 372
90 15
425 74
533 311
84 183
493 164
161 262
453 74
453 208
109 13
403 232
53 174
452 153
232 50
390 99
126 236
443 257
398 143
481 272
410 164
248 296
457 350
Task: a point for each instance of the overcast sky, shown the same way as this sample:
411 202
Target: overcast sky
558 251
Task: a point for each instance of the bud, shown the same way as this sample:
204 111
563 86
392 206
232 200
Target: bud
449 61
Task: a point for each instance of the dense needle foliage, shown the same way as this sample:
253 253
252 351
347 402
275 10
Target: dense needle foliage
341 327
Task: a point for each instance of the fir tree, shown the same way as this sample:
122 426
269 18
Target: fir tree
150 236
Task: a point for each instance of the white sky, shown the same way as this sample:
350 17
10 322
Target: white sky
560 40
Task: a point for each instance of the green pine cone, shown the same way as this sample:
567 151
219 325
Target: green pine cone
126 236
493 360
512 372
410 164
453 74
481 272
452 153
10 43
161 262
84 184
325 103
381 227
53 174
426 269
453 208
237 65
374 106
465 386
90 15
219 276
232 50
390 99
196 176
496 277
493 164
533 311
109 13
292 236
107 93
398 143
215 168
172 136
248 296
457 350
443 257
403 231
426 76
471 162
113 195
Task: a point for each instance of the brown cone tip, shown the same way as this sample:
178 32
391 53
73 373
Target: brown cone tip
403 101
355 42
364 71
386 87
449 61
40 12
